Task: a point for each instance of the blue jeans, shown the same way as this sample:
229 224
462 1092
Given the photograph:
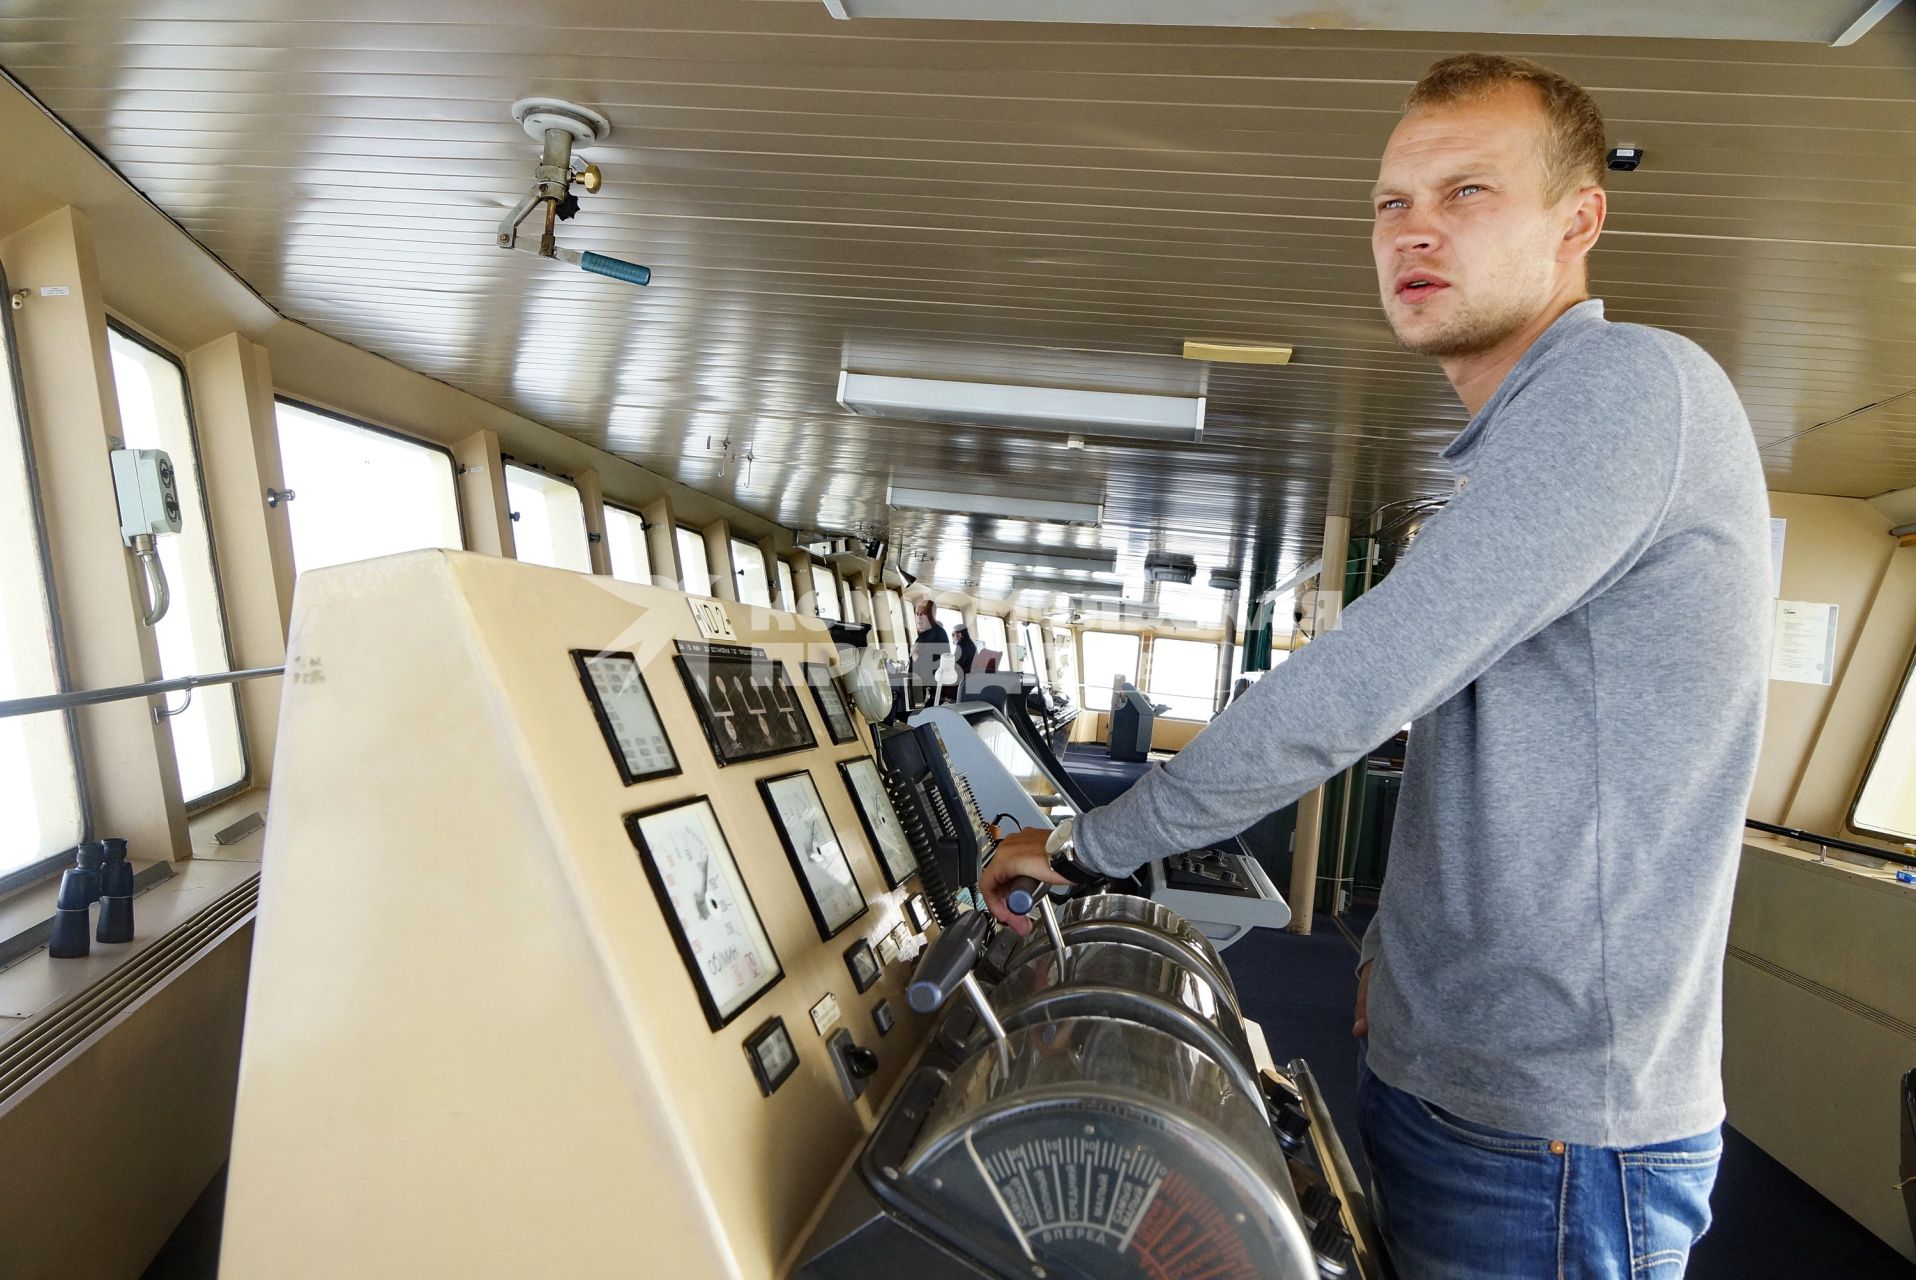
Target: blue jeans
1457 1200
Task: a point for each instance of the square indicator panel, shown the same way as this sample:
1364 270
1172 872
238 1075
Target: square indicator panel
831 702
824 872
623 707
863 965
713 919
745 702
772 1055
881 820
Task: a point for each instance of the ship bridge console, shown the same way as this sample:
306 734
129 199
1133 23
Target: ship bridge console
623 943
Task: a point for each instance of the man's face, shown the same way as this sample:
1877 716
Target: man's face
1465 242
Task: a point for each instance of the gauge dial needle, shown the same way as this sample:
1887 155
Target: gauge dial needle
705 898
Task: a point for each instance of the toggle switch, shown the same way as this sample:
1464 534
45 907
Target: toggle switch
855 1063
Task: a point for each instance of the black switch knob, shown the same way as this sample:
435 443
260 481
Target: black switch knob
1319 1203
1332 1245
1291 1125
861 1062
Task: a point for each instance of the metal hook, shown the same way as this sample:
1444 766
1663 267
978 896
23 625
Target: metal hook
162 713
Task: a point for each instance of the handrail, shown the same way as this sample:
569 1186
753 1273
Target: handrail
121 693
1848 846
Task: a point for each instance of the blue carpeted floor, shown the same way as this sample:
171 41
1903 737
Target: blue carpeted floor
1770 1224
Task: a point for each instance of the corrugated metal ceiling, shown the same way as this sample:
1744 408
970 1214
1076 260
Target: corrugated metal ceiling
1063 204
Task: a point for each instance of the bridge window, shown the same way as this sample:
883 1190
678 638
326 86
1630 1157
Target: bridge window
991 635
209 752
748 563
694 569
825 593
625 543
548 520
1034 656
787 586
1107 656
361 490
39 790
1184 677
1886 804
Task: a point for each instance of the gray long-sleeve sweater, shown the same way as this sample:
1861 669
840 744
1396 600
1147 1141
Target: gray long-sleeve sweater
1580 638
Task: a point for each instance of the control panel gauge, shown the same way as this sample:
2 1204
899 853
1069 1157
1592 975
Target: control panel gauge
710 911
881 820
772 1055
745 701
824 872
863 965
831 702
623 707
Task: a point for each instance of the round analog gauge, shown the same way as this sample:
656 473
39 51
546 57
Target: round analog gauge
881 820
711 912
816 854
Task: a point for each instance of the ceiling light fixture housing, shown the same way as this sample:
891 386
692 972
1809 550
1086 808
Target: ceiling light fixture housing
1007 506
1080 560
1832 22
1131 415
1066 586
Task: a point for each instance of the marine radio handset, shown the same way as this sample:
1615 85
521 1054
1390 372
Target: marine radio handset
941 818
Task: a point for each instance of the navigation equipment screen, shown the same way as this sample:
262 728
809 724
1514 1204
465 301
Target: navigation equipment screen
623 707
745 701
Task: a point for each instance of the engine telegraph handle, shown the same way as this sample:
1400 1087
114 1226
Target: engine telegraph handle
947 962
1022 896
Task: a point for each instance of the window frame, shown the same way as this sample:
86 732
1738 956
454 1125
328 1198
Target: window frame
1154 695
645 527
820 566
507 463
738 543
681 529
787 585
54 863
1137 664
452 460
245 783
1904 701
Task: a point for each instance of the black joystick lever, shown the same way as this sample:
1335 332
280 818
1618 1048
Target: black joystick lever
946 969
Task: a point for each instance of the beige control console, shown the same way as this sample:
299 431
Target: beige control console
582 936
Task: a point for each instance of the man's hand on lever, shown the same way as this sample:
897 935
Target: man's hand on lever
1021 853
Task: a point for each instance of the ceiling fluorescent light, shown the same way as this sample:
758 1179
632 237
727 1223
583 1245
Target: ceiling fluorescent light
1083 561
1009 506
1064 586
1131 414
1811 21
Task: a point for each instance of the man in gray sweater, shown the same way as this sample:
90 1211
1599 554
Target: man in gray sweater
1580 639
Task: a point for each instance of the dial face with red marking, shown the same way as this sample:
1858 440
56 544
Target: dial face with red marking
1097 1193
711 912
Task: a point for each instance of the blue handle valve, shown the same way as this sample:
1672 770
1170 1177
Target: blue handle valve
601 265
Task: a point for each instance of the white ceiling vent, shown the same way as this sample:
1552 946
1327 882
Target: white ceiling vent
1833 22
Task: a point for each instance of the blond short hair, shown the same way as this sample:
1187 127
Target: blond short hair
1575 141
